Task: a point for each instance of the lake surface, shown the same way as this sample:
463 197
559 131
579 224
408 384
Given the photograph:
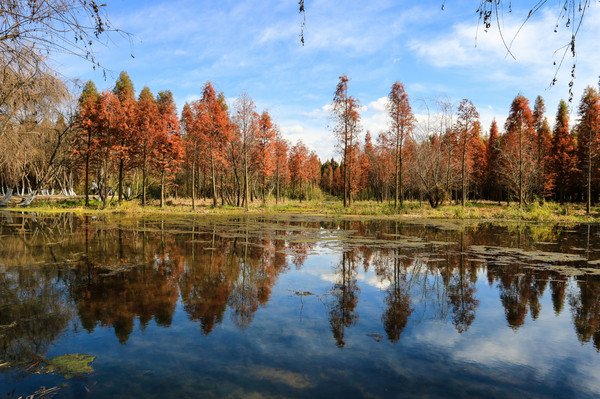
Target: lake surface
297 307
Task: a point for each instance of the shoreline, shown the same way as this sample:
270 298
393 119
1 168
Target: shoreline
474 211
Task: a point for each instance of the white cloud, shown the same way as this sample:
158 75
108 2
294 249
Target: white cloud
322 112
292 130
484 57
379 105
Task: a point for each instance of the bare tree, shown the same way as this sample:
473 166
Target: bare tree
430 168
345 117
47 26
32 101
245 119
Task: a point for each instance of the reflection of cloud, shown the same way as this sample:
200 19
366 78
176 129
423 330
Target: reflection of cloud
290 378
374 281
500 345
368 278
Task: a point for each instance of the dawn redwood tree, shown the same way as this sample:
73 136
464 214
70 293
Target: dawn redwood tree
383 167
401 125
467 128
588 139
281 162
168 148
86 121
563 151
145 130
262 154
110 123
518 149
327 177
492 178
365 167
478 166
313 166
211 115
346 117
299 173
543 149
192 139
124 136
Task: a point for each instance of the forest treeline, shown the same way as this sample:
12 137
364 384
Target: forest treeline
115 145
444 156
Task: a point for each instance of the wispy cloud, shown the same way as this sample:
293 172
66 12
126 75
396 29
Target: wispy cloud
255 46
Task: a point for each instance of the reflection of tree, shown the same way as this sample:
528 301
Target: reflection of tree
204 293
585 308
244 298
114 294
558 287
206 284
345 292
398 304
520 292
461 295
33 312
237 269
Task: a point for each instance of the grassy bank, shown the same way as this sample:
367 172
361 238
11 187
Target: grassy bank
549 211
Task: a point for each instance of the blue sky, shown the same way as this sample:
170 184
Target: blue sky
254 47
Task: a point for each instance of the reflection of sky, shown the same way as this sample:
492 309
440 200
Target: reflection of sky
289 350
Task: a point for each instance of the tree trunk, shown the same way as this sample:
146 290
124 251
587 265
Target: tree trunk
463 176
105 178
397 177
589 175
214 183
520 168
121 180
194 180
144 167
7 197
277 184
246 188
162 189
87 172
29 199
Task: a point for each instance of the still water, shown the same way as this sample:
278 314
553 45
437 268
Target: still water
296 307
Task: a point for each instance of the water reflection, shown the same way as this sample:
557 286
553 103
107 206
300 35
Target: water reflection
397 301
344 297
585 308
34 311
65 270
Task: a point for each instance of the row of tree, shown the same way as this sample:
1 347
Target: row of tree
236 155
114 144
443 155
115 134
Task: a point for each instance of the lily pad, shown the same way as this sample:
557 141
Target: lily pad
519 254
69 366
376 337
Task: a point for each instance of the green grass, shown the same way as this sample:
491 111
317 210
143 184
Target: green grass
331 206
